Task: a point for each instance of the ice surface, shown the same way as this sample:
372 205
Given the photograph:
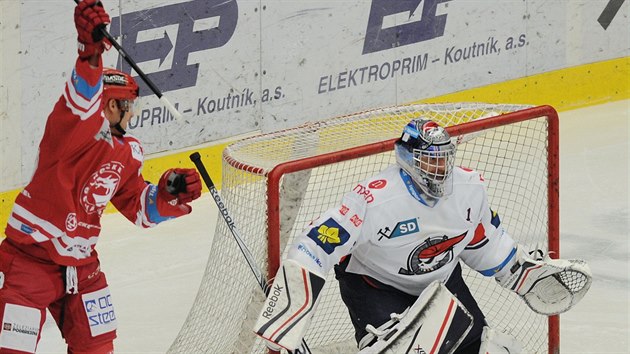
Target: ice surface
154 274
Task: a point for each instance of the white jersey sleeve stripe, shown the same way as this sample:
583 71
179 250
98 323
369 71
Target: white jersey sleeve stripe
35 234
82 92
83 113
81 98
47 227
77 247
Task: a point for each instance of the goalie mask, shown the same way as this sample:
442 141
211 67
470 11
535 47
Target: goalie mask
426 153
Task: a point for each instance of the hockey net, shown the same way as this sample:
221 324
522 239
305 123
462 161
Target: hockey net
275 184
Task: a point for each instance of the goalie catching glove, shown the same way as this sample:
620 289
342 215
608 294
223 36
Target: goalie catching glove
548 286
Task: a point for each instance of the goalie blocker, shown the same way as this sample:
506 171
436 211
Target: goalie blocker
289 307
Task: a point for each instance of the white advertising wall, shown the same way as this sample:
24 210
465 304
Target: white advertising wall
238 66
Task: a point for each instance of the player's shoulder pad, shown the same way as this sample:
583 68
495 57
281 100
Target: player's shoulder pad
137 151
376 187
465 175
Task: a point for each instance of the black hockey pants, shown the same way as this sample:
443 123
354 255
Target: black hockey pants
371 302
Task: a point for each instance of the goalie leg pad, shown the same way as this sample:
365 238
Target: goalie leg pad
290 304
495 342
436 323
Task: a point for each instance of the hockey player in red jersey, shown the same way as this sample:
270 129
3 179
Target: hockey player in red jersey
86 159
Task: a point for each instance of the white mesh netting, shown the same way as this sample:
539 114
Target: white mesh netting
512 158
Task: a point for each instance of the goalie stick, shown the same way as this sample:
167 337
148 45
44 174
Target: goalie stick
140 73
260 277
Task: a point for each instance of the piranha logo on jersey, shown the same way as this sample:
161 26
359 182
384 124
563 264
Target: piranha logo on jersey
432 254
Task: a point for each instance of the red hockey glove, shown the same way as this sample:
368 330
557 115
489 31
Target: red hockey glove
89 18
182 184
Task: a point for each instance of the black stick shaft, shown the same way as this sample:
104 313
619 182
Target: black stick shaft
139 71
260 278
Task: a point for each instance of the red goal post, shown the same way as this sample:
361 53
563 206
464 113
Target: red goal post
275 183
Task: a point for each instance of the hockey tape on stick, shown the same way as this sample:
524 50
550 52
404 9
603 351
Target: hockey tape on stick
140 73
260 278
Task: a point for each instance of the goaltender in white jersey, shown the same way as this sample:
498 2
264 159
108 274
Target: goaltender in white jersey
399 233
395 238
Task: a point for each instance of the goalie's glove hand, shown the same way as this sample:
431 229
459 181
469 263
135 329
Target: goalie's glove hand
548 286
180 185
525 271
90 18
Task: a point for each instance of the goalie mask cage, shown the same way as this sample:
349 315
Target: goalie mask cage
275 184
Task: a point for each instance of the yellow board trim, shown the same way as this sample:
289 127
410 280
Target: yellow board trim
566 89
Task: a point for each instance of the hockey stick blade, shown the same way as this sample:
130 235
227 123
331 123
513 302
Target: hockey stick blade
260 278
171 108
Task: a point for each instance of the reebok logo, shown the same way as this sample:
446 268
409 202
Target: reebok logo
272 301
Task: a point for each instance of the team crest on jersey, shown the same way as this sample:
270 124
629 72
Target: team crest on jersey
329 235
431 255
100 187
